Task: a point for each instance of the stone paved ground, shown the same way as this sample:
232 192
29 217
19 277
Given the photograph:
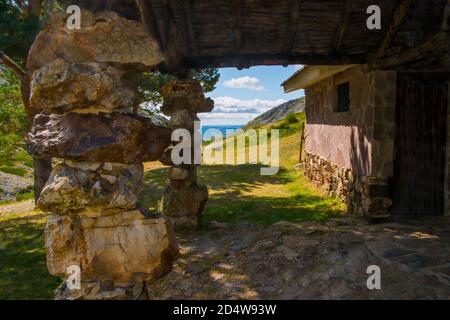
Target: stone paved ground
311 261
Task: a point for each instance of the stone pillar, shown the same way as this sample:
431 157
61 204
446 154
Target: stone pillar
95 223
183 199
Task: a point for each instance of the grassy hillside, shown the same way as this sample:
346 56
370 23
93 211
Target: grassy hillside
239 192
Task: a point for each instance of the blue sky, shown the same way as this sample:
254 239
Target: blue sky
241 95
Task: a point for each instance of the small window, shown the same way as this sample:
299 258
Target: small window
343 97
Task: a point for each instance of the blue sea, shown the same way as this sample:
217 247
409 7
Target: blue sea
221 128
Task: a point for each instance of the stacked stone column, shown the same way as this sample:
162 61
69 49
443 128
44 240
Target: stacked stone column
96 224
183 199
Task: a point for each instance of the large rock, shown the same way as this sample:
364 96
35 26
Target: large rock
103 37
126 248
183 119
88 87
185 94
77 186
96 138
183 205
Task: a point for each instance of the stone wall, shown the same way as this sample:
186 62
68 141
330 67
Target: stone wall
95 224
363 195
350 154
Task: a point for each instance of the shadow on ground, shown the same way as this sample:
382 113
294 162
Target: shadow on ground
241 193
23 270
310 260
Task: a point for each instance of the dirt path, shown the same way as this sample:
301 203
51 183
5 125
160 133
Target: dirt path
311 261
17 207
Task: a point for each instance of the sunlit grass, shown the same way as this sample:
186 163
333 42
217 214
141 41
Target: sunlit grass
241 193
23 271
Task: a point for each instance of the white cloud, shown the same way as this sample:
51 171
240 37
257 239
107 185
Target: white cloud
232 111
250 83
233 105
226 118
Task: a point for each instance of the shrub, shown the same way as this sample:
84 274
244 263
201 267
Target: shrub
13 119
291 118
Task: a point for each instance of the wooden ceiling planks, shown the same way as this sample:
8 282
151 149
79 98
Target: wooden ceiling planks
242 33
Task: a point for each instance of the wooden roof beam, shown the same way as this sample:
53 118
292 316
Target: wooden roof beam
399 15
446 17
237 10
437 46
184 24
346 13
292 23
275 59
148 18
163 15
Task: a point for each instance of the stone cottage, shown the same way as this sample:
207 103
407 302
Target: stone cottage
376 139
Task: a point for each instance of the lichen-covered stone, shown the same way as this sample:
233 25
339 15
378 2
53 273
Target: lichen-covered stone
183 205
126 247
72 189
366 196
98 138
184 119
183 175
166 158
85 87
103 37
187 95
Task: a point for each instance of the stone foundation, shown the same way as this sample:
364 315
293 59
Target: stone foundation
366 196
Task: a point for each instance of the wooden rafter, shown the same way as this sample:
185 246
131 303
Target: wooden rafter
292 23
436 46
275 59
229 30
148 18
446 17
184 24
346 13
399 14
192 38
237 10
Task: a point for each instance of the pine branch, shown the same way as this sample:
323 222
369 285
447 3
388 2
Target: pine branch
12 65
20 4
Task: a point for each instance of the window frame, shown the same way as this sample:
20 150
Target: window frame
337 108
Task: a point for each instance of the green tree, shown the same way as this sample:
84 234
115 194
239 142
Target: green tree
13 119
150 84
20 21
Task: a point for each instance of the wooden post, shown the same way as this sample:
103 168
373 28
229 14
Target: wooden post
301 143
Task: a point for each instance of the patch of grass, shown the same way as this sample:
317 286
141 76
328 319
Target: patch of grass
297 202
23 271
19 156
14 170
291 124
25 194
240 192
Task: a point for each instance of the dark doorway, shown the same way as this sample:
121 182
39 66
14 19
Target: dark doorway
420 144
